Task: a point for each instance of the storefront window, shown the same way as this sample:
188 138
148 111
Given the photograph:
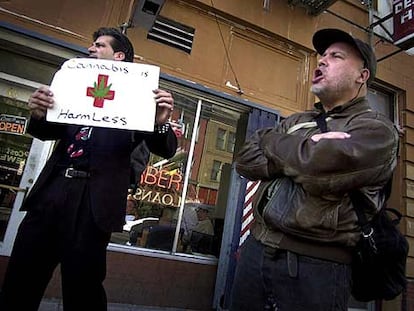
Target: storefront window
14 150
25 64
176 200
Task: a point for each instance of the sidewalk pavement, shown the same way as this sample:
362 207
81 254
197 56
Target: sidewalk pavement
56 305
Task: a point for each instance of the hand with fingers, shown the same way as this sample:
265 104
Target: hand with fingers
330 135
40 101
165 106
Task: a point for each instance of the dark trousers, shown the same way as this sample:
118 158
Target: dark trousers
263 282
58 229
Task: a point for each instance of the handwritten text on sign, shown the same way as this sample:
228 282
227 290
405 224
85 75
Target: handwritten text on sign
105 93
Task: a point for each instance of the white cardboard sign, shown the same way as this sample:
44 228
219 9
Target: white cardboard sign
105 93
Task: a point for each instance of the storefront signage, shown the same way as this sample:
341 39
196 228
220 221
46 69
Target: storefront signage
105 93
12 124
160 186
403 23
157 197
162 178
13 156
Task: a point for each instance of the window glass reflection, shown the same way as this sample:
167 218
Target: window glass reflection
382 101
156 195
14 150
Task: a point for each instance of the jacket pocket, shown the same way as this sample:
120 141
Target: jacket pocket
288 208
276 200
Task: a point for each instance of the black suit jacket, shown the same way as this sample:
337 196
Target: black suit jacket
109 164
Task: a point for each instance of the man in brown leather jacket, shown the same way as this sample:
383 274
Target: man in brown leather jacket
298 255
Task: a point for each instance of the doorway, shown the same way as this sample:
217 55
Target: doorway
21 156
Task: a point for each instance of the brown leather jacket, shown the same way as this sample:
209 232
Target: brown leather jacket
315 215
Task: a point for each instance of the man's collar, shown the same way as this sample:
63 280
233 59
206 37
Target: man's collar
338 109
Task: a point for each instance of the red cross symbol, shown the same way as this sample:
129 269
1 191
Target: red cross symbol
100 91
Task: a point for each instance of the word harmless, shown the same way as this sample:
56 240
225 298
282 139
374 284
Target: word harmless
92 117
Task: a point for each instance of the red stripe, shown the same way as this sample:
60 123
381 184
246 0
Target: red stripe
245 229
252 185
246 203
247 214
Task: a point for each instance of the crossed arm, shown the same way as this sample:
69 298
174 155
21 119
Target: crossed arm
327 162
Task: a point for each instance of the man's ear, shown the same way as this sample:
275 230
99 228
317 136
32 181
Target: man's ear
363 76
119 55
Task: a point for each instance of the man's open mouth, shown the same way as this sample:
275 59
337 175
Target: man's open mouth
317 76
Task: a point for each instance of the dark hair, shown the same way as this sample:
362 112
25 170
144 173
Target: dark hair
120 42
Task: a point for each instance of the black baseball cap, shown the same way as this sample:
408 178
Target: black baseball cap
323 38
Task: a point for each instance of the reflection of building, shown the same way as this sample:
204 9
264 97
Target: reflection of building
214 147
218 150
204 53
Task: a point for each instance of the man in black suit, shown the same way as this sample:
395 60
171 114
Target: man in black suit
79 198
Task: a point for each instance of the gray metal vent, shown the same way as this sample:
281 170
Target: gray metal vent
313 7
172 33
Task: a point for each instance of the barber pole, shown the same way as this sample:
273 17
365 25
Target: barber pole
247 218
